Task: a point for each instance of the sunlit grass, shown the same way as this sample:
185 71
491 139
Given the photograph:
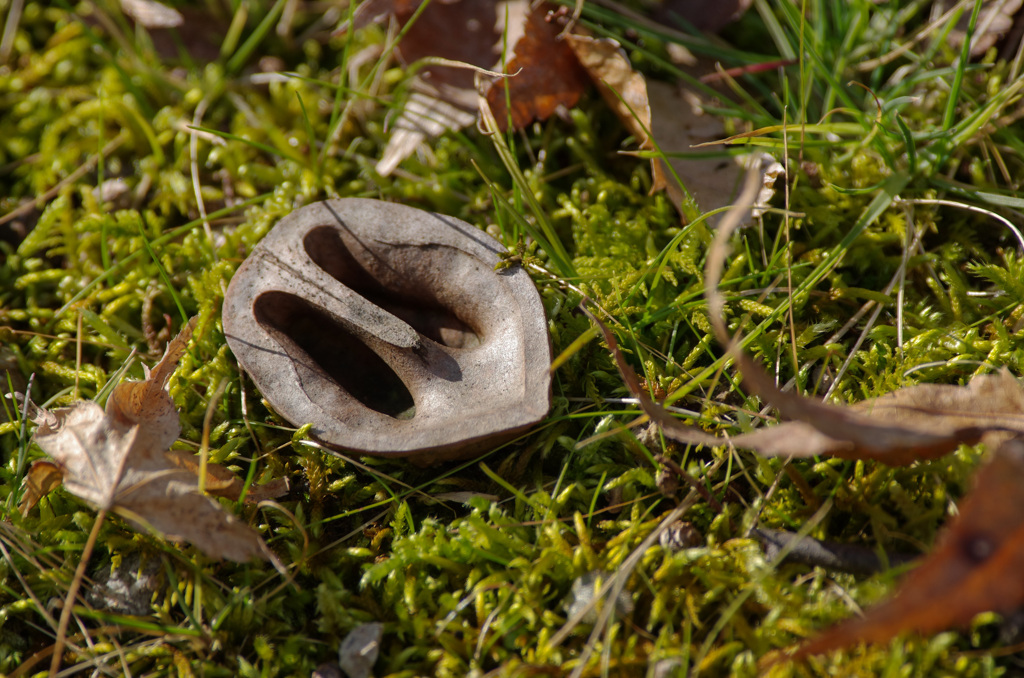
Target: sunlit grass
880 223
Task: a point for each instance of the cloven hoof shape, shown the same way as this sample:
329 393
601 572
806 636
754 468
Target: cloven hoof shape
389 330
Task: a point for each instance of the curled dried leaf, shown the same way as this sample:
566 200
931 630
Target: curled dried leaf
221 482
42 478
916 423
976 566
118 459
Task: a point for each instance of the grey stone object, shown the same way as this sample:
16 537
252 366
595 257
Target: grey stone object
389 330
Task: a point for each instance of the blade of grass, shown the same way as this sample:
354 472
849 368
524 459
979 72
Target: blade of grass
249 142
239 58
958 75
547 237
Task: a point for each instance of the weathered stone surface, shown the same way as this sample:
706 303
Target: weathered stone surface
389 330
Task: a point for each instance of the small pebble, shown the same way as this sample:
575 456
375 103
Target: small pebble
583 590
681 535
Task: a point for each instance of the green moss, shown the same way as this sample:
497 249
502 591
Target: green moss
471 589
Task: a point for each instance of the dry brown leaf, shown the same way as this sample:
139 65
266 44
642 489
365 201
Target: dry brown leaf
42 478
920 422
221 482
911 424
544 74
622 88
117 459
678 122
976 566
548 71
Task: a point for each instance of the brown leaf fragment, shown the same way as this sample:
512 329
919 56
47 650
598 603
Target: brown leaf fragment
792 438
912 424
221 482
976 566
921 422
42 478
147 404
993 402
679 122
118 459
275 489
544 74
622 88
456 30
443 97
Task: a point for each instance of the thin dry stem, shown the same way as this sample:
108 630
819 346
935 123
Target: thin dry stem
76 584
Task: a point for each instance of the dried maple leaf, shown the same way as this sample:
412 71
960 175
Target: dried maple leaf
118 459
